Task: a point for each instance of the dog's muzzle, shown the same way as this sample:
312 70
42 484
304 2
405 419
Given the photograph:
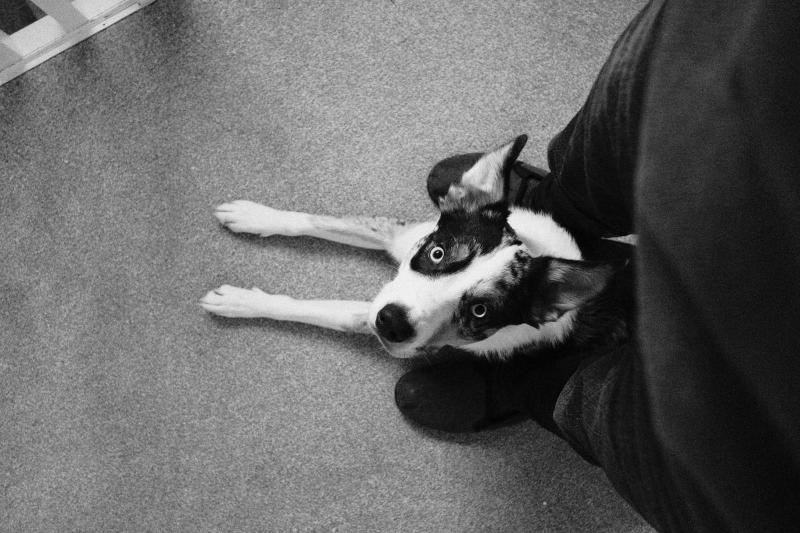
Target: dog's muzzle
392 324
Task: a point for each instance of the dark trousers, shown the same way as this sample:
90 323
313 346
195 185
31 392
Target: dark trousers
690 138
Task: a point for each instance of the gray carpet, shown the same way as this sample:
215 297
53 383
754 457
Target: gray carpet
123 406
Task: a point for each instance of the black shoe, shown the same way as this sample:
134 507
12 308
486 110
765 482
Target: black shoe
470 395
458 397
523 179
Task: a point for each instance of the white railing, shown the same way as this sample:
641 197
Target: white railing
66 24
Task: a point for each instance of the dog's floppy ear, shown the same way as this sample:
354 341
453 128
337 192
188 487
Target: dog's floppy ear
566 285
486 182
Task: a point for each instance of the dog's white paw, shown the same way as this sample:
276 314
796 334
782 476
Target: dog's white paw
242 216
235 302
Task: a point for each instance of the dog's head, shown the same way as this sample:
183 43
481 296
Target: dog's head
479 283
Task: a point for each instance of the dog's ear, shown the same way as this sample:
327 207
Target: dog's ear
486 182
566 285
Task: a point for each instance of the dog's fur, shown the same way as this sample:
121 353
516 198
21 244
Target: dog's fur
486 278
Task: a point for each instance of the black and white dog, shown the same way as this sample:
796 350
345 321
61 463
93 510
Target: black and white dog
486 278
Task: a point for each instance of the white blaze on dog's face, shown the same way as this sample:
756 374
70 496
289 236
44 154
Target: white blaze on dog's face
473 282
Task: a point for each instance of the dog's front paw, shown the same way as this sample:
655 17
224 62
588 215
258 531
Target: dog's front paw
242 216
235 302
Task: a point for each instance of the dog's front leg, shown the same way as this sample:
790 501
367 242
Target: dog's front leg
342 315
242 216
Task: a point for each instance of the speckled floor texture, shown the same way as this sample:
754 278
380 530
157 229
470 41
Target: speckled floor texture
123 405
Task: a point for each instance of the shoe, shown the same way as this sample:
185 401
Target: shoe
462 396
466 395
523 178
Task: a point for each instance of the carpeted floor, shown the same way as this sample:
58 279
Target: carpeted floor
123 406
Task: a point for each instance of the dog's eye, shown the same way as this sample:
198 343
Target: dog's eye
478 310
436 254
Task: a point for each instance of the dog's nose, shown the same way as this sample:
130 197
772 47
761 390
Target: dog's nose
392 323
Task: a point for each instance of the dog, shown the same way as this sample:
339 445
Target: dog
487 278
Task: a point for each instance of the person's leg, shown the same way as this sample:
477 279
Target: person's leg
718 211
593 159
603 413
697 427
